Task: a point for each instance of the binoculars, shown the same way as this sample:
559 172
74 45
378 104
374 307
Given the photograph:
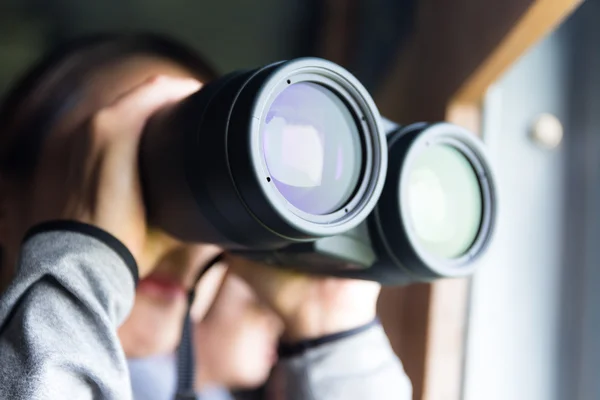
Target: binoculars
291 164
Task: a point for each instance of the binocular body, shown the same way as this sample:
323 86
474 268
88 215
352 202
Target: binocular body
291 164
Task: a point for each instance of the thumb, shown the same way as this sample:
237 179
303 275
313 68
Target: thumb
207 290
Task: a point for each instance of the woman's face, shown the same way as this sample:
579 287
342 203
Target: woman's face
236 342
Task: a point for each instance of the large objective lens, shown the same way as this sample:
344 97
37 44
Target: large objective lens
260 159
445 202
312 148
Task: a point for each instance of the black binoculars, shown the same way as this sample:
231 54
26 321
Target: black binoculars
291 164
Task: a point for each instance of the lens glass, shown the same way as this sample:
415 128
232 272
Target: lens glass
445 201
312 148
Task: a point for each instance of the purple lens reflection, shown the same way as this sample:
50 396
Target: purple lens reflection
312 148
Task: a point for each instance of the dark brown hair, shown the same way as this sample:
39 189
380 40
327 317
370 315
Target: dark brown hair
47 90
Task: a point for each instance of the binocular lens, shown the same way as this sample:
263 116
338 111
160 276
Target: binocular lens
312 148
444 201
259 159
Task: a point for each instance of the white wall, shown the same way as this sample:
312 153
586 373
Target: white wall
512 346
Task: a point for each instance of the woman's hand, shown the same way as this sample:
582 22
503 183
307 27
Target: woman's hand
92 175
310 306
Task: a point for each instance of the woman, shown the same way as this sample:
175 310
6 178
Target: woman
69 185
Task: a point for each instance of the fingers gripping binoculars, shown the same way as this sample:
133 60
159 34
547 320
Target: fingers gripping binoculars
291 164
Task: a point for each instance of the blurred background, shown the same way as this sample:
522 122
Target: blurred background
232 33
525 75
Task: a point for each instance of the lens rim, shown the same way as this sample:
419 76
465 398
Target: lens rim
410 254
371 136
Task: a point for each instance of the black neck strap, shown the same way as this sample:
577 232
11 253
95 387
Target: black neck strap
186 360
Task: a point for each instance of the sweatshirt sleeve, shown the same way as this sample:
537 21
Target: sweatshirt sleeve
358 366
74 286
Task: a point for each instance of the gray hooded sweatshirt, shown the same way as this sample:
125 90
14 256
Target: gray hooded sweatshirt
75 285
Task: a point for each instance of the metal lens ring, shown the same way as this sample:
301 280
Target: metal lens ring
319 150
447 199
